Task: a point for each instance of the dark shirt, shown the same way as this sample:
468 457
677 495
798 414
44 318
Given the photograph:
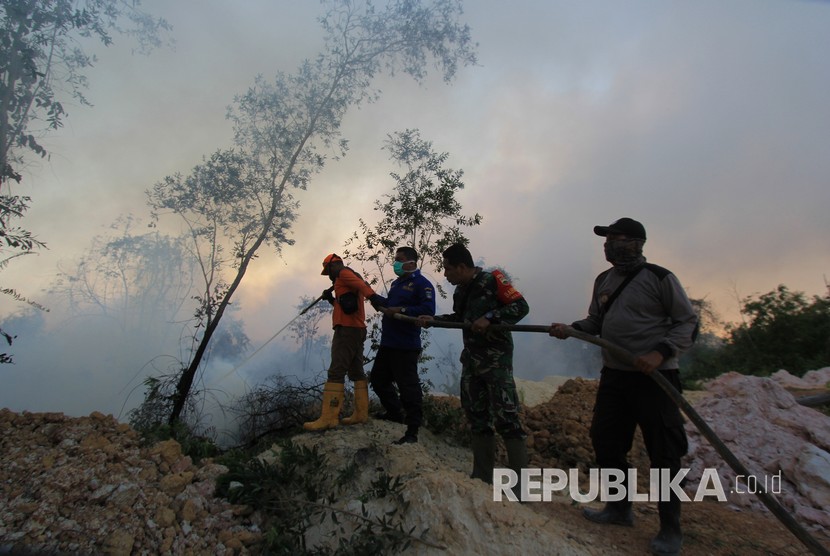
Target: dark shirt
416 294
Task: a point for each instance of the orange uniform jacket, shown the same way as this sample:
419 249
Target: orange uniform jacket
348 281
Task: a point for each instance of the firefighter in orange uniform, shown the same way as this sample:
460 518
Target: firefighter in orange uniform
349 322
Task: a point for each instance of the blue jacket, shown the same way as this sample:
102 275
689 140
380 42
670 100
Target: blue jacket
416 294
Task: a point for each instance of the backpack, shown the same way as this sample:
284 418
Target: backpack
348 302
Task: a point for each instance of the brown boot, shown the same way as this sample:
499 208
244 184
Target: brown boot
330 412
361 404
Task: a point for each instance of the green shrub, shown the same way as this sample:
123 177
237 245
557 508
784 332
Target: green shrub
782 330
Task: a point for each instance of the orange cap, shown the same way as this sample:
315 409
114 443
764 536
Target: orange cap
328 260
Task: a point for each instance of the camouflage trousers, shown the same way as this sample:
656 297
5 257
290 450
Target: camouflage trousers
489 396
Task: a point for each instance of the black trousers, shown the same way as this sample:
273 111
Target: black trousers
395 380
626 399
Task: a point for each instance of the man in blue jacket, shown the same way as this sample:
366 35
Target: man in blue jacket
396 364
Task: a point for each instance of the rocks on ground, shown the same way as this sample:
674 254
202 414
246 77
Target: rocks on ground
86 486
784 445
757 418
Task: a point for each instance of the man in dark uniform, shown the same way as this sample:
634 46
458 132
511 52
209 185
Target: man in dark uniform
396 364
488 391
642 308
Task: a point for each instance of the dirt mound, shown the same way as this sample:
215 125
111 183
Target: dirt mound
532 393
85 486
785 446
558 437
446 507
459 514
558 430
819 379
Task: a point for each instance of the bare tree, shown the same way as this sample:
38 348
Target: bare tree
241 199
130 276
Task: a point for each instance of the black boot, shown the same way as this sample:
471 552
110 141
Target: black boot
389 416
409 437
670 538
612 514
517 460
388 396
484 457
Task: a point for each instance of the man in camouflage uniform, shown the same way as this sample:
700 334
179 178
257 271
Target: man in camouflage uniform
488 391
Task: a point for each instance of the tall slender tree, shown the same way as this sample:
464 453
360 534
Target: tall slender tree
284 130
422 211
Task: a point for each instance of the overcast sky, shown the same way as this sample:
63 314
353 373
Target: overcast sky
708 121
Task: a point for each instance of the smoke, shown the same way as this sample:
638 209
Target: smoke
707 121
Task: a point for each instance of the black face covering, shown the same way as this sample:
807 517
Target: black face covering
624 254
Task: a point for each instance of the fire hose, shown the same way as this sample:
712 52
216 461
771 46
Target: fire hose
278 332
739 468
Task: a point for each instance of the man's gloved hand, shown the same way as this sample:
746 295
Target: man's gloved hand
328 296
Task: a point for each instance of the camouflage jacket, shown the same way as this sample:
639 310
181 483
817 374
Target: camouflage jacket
487 292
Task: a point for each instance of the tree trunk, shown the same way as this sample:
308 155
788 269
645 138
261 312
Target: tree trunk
186 380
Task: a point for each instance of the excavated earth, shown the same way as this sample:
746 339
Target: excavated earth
88 486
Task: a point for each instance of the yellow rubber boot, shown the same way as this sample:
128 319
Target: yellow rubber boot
361 404
330 413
